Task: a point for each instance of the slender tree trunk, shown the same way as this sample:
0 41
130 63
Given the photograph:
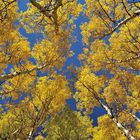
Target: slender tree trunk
109 113
119 125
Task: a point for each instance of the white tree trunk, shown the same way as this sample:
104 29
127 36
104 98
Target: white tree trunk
119 125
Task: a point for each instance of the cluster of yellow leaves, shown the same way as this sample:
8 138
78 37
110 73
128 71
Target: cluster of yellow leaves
126 118
96 55
32 17
105 14
115 91
69 125
34 20
88 29
8 15
20 49
53 52
106 130
46 52
137 132
6 25
122 50
4 125
18 121
22 81
52 92
123 89
108 6
135 86
132 125
134 99
14 50
88 86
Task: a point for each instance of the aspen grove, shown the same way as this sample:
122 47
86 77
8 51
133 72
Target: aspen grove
35 83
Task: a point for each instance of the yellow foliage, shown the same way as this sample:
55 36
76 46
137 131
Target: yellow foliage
55 92
107 130
107 78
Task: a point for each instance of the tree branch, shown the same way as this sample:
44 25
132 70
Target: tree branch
41 8
125 60
109 112
136 14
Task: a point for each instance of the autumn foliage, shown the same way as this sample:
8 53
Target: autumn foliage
34 85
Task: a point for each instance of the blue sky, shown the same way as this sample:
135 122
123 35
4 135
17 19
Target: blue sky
133 0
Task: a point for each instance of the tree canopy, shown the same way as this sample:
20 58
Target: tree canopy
35 85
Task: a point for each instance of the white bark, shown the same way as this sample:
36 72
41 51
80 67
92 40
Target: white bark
15 131
11 75
135 117
136 14
30 134
109 112
119 125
